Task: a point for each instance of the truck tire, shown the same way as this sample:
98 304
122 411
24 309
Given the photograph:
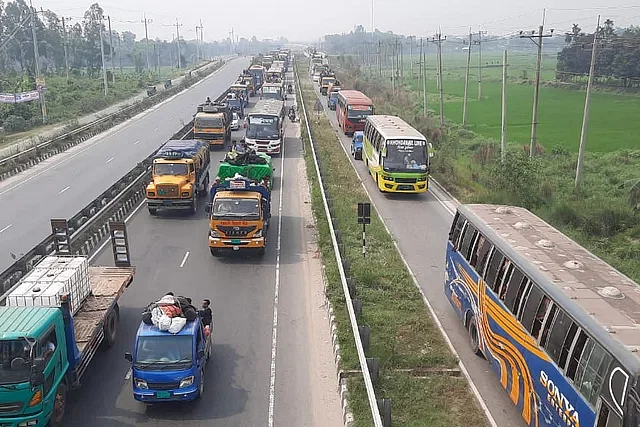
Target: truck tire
205 186
201 386
194 204
59 406
110 327
153 211
214 251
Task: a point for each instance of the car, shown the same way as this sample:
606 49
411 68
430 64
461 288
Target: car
356 145
235 122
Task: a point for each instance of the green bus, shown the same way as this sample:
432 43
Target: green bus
397 155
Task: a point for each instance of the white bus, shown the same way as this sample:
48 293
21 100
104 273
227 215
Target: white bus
265 126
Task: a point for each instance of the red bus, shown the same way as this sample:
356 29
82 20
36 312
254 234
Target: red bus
352 110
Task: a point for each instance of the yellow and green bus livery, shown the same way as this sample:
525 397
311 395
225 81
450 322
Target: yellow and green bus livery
397 155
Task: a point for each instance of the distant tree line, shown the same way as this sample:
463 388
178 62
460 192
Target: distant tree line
617 56
83 46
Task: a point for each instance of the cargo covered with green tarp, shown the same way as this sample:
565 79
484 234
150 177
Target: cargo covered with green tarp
254 169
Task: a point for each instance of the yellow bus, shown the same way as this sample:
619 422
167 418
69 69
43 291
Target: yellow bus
397 155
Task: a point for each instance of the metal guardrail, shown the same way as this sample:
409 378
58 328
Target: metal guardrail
364 365
89 226
96 122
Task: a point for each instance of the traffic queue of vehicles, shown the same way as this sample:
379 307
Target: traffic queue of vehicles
397 155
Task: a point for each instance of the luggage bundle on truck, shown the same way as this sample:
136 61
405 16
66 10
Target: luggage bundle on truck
240 210
212 123
54 323
252 165
257 71
170 353
326 79
180 173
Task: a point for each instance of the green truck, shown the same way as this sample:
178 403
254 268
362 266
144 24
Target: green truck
50 331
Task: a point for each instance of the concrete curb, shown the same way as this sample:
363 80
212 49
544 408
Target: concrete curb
347 415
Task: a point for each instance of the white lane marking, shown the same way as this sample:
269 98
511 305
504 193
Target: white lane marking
110 160
137 142
64 189
416 283
155 129
274 337
184 260
103 136
6 228
108 241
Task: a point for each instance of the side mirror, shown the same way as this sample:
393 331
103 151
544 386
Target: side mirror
36 376
200 354
128 356
207 208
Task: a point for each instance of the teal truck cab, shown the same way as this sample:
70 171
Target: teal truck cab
170 367
48 339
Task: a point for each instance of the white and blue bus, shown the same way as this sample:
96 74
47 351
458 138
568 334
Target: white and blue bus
559 326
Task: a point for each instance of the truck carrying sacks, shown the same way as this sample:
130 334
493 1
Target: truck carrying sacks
169 313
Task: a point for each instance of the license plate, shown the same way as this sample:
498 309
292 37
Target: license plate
236 241
166 202
236 248
163 394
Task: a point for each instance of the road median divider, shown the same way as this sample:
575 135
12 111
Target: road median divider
408 358
23 160
88 229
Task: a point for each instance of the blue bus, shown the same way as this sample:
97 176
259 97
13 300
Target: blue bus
559 326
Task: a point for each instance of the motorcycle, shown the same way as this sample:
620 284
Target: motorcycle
290 89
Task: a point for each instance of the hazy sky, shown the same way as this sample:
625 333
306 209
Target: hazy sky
304 20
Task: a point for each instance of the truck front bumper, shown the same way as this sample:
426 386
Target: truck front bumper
38 420
179 395
236 244
171 204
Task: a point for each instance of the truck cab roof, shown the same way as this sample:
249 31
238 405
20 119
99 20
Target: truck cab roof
191 328
19 322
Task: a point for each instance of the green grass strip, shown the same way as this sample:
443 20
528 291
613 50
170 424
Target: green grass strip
403 335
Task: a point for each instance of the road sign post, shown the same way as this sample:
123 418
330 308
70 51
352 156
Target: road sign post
364 218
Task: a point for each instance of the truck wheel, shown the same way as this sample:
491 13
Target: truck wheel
110 328
59 405
214 251
201 386
194 205
262 251
153 211
205 186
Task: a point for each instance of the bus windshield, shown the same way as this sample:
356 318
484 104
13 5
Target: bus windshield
263 127
271 92
359 111
405 155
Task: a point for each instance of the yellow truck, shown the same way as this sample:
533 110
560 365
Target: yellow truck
212 123
180 174
239 213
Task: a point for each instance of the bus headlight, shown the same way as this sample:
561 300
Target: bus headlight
258 233
214 234
387 178
151 193
140 383
185 194
421 179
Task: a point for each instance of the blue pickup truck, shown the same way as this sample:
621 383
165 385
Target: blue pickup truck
170 367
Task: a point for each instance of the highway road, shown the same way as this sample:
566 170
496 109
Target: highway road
401 213
62 185
170 253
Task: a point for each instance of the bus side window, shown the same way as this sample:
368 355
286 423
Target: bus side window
516 282
482 254
467 238
503 279
495 262
576 353
541 314
456 230
531 308
546 324
563 329
593 367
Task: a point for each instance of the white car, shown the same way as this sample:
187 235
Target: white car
235 122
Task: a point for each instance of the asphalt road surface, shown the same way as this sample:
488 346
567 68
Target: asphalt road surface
402 213
170 253
62 185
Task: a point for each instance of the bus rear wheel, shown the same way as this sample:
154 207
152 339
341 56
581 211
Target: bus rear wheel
474 336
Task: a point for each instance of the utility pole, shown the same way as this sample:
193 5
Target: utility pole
466 81
380 58
146 37
197 45
587 105
40 85
104 68
66 54
202 42
120 55
111 52
534 117
178 25
411 56
439 41
479 43
503 139
423 73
